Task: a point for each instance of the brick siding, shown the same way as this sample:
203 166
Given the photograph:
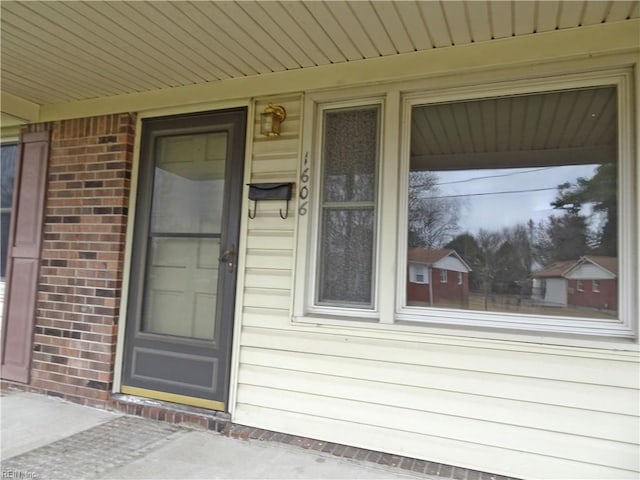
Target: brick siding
82 257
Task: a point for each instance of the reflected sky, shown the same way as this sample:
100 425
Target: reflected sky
498 198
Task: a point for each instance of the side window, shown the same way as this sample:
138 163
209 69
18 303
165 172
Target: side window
7 172
350 148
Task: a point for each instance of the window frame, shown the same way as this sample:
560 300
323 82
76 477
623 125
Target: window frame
444 277
595 286
627 210
390 312
579 286
312 218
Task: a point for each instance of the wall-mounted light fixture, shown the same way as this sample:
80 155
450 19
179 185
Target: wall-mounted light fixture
271 119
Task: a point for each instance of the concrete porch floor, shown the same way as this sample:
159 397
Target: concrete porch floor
49 438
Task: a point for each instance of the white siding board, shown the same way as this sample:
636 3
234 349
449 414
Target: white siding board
620 10
547 16
29 68
455 15
26 83
541 391
415 445
271 298
191 36
524 17
274 259
332 28
158 26
224 33
436 23
393 25
479 22
260 316
296 33
570 14
595 12
220 43
376 31
283 145
265 36
314 30
414 25
237 39
90 59
40 55
572 421
501 22
271 239
585 450
111 38
280 36
280 279
586 370
119 22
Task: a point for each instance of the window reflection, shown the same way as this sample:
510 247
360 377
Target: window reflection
513 204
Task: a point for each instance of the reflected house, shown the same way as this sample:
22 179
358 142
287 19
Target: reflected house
437 277
591 281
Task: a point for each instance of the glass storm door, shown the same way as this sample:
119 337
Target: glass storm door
183 270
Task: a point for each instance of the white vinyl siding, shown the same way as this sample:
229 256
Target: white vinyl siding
508 407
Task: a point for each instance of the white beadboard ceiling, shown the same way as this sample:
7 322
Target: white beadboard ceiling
65 51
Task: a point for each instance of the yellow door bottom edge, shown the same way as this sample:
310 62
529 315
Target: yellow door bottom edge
175 398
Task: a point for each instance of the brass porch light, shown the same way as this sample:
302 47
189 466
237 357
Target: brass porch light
271 119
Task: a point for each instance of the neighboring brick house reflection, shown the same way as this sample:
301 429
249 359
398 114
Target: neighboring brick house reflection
591 281
437 277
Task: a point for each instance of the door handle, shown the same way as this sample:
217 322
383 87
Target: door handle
228 256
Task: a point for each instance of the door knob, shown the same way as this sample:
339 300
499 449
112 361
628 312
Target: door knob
228 256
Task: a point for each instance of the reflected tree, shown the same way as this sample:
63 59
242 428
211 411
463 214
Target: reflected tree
600 194
432 220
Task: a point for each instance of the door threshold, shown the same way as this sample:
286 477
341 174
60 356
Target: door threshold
174 398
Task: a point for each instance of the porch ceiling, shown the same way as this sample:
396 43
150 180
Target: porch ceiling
66 51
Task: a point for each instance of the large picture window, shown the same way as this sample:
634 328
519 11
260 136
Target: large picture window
522 188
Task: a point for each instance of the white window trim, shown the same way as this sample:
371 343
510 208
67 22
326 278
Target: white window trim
390 311
627 204
580 285
459 278
595 286
307 265
444 277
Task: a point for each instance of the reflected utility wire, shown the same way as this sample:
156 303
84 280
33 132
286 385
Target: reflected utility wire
494 176
491 193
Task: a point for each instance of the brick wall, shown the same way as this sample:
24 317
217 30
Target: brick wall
82 256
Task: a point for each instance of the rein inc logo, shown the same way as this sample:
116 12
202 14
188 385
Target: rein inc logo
19 474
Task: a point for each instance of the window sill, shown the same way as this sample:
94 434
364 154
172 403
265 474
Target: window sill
425 331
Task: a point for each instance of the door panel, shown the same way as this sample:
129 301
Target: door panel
182 293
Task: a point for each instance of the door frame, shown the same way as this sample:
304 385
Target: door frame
205 107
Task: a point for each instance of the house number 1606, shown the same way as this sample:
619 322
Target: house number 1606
304 186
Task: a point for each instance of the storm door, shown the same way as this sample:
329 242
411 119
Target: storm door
183 271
